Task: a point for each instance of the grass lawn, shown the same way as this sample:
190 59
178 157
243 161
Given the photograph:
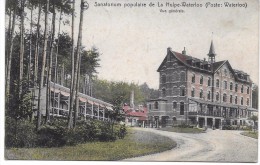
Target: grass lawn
250 134
136 143
182 130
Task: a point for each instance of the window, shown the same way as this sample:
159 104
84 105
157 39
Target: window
182 92
183 76
163 92
242 88
247 90
192 92
236 86
217 83
208 95
225 84
225 72
150 106
247 101
156 105
235 99
231 86
217 96
174 105
231 98
242 101
209 81
224 97
193 78
201 79
163 79
182 108
201 93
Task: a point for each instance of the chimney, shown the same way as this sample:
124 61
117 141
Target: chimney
184 51
132 99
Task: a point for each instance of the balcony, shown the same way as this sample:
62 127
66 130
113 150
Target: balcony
204 114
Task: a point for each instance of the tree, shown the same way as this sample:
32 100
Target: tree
255 96
254 118
72 86
10 51
43 64
83 6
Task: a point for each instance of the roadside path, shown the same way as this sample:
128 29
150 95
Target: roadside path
213 146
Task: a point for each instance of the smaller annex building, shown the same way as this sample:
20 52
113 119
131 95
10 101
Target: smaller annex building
200 92
135 116
88 106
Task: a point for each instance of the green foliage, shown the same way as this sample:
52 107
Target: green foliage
136 143
255 96
19 133
90 61
51 136
122 132
111 91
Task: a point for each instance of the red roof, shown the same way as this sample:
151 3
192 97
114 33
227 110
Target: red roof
136 113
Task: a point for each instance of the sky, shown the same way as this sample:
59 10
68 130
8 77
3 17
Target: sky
133 41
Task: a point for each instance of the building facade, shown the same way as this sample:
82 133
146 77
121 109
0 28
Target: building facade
201 92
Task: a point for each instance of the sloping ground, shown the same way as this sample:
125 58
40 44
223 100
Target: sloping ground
136 143
250 134
212 146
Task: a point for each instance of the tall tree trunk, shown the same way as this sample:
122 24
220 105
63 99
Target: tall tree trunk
78 50
57 51
72 86
63 75
30 51
49 70
9 62
43 65
76 107
21 52
37 45
8 37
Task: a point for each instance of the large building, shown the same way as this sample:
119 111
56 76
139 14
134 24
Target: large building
201 92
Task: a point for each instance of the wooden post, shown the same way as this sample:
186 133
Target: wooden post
104 113
98 112
92 111
85 111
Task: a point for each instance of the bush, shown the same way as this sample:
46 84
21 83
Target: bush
106 132
122 132
51 136
85 131
20 133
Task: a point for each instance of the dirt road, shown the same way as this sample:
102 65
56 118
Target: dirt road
213 146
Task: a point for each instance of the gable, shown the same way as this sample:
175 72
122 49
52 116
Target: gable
225 69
